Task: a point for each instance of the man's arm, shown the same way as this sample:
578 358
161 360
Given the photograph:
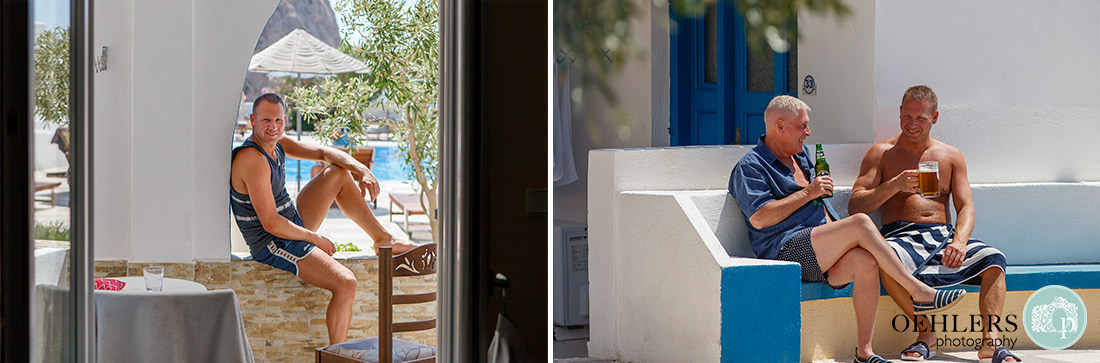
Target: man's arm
752 190
255 172
955 253
869 192
359 172
778 210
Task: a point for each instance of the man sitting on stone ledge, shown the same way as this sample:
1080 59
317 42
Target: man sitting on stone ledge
284 236
919 228
779 197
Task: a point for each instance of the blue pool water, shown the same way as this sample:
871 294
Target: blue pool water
388 166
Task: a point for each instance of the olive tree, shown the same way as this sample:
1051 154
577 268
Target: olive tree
400 45
51 76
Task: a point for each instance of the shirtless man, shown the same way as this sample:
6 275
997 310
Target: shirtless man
917 226
284 236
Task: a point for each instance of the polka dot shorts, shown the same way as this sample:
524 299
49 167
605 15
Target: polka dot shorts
799 249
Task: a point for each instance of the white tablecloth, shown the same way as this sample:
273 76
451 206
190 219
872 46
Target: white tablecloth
137 284
48 265
170 326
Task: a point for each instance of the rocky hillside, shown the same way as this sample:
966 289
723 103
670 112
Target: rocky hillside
315 16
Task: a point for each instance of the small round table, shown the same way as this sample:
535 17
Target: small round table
137 283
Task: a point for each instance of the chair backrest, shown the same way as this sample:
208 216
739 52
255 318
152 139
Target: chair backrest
364 154
419 261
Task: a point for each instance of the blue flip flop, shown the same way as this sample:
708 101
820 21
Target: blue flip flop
874 358
920 348
999 356
944 299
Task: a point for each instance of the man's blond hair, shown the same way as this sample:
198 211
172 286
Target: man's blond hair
782 106
921 93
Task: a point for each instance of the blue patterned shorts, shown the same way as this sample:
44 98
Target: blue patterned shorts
283 254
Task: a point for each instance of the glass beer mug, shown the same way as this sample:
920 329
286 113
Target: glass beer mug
929 178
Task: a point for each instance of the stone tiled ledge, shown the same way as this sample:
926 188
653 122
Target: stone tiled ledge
368 255
285 317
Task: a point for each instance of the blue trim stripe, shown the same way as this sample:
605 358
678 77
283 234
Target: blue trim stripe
1018 278
289 257
761 313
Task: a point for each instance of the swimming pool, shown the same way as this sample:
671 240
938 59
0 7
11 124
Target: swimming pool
388 166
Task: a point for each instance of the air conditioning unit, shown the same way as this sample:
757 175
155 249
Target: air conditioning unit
570 273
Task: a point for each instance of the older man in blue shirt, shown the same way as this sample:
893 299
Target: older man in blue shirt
788 220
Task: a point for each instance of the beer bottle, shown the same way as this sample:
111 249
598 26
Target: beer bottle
821 168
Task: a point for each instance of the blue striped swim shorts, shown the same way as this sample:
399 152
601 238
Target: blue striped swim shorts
283 254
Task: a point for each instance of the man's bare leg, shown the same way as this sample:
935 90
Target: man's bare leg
990 303
903 300
335 183
319 269
833 240
859 267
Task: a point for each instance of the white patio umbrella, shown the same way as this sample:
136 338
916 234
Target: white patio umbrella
298 53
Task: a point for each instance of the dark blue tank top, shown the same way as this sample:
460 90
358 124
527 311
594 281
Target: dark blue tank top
251 228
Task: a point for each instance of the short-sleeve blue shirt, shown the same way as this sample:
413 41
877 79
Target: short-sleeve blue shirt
760 178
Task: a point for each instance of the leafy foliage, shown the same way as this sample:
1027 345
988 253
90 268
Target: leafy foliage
400 45
51 75
53 231
347 247
336 106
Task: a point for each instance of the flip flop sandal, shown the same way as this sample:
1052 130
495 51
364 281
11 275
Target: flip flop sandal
944 299
999 356
874 358
919 348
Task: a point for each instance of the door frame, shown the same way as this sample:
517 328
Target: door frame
17 172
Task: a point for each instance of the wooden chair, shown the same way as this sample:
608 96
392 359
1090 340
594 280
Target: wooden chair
417 262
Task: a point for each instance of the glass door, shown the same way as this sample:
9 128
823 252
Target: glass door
45 259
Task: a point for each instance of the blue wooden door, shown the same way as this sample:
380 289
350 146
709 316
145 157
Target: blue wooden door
719 87
695 73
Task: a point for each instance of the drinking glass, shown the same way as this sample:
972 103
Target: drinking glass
154 278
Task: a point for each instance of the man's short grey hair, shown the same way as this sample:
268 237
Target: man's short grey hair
782 106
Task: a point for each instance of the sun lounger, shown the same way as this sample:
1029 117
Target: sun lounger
40 186
407 204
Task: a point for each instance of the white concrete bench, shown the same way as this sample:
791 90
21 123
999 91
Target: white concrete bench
689 284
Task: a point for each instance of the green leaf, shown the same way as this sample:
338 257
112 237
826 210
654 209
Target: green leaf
51 74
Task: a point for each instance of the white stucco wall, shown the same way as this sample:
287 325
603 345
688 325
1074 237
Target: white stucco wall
164 110
839 55
1015 79
47 155
671 298
1017 100
114 131
639 118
